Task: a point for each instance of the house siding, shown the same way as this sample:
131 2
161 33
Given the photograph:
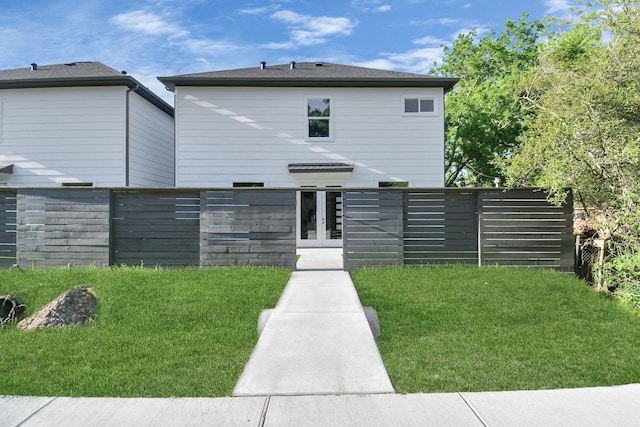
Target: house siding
226 135
151 145
58 135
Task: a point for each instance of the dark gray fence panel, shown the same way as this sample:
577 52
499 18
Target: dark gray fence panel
248 227
59 227
7 228
440 227
520 227
156 228
372 230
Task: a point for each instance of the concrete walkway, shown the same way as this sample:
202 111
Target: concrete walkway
317 340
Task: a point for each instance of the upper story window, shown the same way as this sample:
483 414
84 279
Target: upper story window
419 105
319 118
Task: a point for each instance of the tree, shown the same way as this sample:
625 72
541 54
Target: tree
484 115
585 133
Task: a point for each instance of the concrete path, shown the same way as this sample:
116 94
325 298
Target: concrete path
586 407
319 259
317 341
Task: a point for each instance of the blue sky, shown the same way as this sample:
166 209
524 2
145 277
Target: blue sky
153 38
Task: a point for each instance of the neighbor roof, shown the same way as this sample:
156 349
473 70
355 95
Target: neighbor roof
75 74
308 74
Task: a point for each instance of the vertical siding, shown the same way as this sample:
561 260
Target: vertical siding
56 135
151 145
252 134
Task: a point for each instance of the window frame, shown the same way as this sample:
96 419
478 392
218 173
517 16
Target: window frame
328 118
419 113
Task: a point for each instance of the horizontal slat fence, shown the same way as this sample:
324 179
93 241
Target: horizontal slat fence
8 224
58 227
460 226
156 228
373 225
257 226
248 227
520 227
440 227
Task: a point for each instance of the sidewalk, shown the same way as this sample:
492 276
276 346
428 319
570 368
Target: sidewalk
586 407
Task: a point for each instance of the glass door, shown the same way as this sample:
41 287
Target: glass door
320 219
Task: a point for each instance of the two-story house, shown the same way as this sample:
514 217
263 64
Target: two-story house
310 124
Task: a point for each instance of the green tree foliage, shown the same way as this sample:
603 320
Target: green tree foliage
585 133
484 114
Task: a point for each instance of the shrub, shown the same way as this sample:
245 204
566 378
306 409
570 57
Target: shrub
621 275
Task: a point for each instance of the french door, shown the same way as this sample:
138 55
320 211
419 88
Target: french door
320 219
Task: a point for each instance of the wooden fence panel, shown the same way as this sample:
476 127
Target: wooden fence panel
7 228
156 228
60 227
520 227
440 227
248 227
372 228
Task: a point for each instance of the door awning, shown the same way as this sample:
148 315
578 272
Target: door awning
320 167
6 168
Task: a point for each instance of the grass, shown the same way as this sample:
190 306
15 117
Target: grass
158 333
447 329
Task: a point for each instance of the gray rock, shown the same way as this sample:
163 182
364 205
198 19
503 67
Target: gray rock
74 307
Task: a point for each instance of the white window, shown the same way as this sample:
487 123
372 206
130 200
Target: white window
319 118
419 105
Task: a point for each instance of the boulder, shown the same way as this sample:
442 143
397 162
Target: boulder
74 307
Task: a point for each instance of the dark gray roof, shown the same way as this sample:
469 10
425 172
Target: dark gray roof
76 74
309 74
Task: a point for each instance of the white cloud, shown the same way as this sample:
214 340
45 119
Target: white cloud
554 6
306 30
416 60
147 23
383 8
255 11
209 47
430 40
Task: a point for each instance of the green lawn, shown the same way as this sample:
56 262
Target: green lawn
447 329
157 333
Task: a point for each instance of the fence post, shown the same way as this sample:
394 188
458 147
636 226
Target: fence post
479 228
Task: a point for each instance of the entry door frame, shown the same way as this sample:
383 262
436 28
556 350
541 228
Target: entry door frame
320 239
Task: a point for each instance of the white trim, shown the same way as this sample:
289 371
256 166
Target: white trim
331 119
435 111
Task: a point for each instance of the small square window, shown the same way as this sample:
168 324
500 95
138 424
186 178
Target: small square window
411 105
427 106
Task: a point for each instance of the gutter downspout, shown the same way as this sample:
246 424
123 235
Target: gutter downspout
126 137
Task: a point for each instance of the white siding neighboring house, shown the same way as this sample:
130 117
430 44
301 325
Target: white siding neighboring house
309 124
83 123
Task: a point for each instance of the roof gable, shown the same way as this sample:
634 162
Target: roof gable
309 74
76 74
